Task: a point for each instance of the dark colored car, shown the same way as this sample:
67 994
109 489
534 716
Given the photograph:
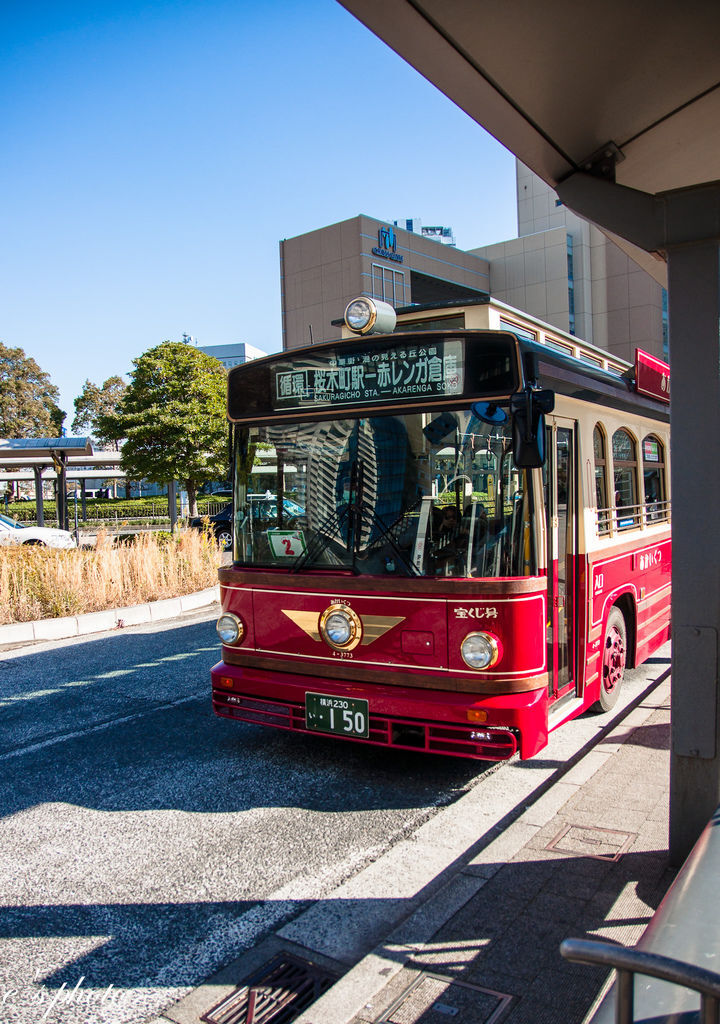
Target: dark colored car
263 508
220 524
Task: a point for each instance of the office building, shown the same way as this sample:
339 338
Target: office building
232 355
564 270
323 270
560 269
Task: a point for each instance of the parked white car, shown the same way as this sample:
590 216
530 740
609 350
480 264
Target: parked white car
16 533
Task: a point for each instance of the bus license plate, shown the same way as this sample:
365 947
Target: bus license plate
344 716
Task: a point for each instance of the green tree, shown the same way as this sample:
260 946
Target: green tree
28 401
94 402
172 417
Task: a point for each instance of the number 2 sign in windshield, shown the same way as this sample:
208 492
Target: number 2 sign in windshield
286 543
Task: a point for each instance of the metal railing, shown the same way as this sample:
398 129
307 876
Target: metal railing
628 517
151 512
629 962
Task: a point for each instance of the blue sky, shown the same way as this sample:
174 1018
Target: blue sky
155 153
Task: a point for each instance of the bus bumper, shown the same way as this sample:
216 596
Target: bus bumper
405 718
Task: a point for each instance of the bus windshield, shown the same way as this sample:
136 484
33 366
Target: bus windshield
417 494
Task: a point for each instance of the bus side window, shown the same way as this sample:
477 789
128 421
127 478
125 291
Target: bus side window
654 478
602 504
625 478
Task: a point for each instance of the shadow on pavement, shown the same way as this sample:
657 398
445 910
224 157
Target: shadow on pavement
506 940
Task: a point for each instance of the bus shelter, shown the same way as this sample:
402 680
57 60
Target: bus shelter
616 107
60 454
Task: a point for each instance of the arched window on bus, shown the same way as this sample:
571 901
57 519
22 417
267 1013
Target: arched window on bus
625 477
653 457
601 491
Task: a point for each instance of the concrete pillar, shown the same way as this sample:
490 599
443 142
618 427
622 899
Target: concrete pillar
694 308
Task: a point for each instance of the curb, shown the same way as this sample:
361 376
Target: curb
101 622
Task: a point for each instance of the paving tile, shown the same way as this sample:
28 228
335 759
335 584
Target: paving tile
453 958
483 919
546 807
502 849
376 1005
562 909
580 875
604 813
560 996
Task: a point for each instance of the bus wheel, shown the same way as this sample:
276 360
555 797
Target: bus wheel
613 661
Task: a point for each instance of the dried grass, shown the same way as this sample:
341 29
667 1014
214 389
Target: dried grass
41 583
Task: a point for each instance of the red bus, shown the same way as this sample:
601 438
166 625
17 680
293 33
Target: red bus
477 539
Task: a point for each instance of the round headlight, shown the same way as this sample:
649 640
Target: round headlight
370 316
230 629
480 650
360 315
340 627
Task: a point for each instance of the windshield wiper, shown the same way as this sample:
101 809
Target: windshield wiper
390 534
324 535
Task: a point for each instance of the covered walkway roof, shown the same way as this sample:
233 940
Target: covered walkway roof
19 448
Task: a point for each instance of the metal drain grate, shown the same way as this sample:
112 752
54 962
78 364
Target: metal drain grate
435 999
277 993
591 841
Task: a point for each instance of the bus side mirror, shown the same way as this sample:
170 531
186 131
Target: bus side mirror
528 410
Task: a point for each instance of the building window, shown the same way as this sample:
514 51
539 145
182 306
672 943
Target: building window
571 286
388 285
436 323
653 458
601 502
625 476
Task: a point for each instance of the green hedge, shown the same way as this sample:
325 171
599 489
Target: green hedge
97 508
111 509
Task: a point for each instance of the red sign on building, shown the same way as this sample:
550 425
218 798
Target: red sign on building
652 376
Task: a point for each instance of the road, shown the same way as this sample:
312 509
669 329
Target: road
145 843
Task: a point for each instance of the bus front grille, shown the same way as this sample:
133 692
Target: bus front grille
400 733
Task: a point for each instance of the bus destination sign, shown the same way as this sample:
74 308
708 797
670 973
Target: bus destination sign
359 375
652 376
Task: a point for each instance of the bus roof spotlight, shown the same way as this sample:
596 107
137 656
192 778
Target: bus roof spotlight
370 316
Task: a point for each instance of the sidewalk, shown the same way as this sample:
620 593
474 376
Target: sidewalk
594 866
463 920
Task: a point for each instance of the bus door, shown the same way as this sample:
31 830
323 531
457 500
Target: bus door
561 504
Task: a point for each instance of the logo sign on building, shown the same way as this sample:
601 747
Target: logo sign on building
387 245
652 376
354 377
